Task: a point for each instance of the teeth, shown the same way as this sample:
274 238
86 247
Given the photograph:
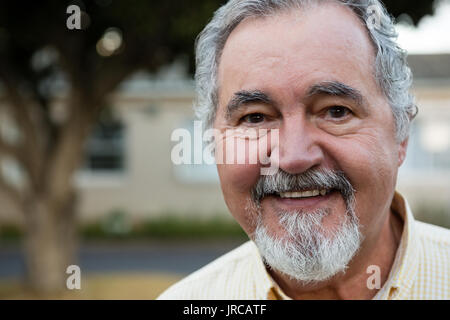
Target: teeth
307 194
303 194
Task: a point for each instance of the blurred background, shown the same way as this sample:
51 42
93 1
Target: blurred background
86 117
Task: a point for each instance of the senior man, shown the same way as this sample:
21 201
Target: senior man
329 79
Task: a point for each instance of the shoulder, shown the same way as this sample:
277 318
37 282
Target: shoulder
216 280
435 243
434 263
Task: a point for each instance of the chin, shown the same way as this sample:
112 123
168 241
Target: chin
303 249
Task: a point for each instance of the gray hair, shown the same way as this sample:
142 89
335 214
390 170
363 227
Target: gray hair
391 70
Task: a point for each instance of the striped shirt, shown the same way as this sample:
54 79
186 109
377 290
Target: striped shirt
421 269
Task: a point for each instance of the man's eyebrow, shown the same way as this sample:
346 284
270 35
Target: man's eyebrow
336 88
246 96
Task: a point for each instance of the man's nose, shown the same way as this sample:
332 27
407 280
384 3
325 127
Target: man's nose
299 147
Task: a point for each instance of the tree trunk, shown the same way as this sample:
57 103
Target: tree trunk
51 235
50 243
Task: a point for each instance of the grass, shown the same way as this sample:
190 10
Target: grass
113 286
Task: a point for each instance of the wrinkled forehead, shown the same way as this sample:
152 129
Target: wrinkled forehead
297 45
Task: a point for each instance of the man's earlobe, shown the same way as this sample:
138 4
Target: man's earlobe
402 151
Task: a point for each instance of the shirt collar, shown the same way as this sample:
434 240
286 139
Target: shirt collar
262 280
404 270
401 276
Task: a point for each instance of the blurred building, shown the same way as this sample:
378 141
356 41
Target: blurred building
425 176
128 163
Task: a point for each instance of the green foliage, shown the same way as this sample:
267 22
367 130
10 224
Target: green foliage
415 10
154 33
10 233
117 225
168 226
176 227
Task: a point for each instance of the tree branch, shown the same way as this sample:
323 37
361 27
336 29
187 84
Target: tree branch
12 150
10 192
29 121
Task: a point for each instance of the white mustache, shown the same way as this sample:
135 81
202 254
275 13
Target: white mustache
311 179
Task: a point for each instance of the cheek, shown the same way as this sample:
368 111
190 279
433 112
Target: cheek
371 166
239 163
237 182
238 179
239 168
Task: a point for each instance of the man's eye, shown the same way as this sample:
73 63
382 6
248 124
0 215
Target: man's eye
253 118
338 112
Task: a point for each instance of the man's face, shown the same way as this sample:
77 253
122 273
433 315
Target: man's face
289 64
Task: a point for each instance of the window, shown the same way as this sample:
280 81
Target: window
105 148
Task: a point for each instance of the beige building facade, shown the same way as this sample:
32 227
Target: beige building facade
138 176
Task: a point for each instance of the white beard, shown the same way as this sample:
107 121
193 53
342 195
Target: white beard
306 253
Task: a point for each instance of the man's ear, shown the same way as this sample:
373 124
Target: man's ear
403 146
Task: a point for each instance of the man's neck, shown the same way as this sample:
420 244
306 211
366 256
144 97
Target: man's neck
379 252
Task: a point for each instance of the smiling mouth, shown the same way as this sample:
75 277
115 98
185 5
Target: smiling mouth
304 193
301 199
